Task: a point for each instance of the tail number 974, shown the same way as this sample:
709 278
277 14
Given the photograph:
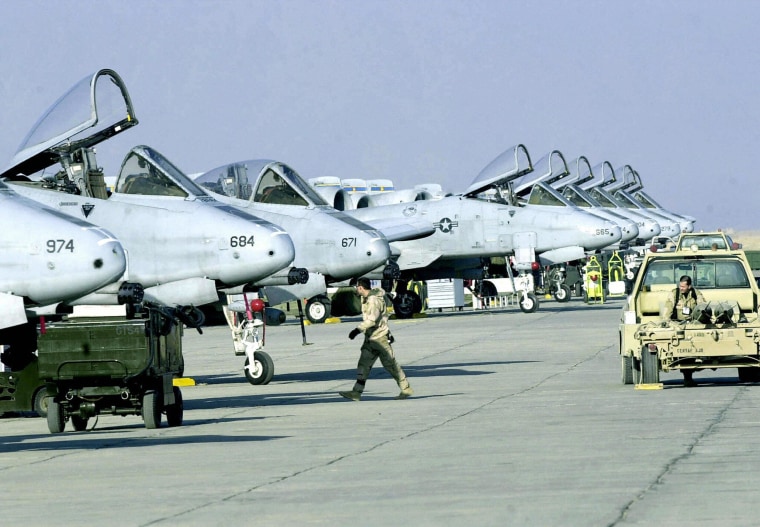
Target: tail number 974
241 241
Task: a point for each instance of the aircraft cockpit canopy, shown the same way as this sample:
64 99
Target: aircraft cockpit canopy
94 109
147 172
508 166
550 168
261 181
543 194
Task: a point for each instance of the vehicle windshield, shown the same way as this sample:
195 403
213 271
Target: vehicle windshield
705 242
705 274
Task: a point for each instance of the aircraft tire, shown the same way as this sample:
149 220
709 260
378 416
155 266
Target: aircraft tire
175 412
562 294
264 370
151 410
55 420
528 303
318 309
405 303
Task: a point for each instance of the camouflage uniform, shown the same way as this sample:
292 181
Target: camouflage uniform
376 345
680 307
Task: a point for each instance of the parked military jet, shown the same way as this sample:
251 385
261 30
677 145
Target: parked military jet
487 221
47 258
632 189
570 188
535 189
181 244
598 189
330 244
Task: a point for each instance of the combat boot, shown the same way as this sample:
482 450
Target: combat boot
353 395
405 392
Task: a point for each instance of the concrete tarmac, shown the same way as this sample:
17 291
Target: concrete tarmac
517 419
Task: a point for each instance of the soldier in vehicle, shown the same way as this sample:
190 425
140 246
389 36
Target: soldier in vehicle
376 342
680 306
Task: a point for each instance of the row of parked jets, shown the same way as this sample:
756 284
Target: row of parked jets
71 238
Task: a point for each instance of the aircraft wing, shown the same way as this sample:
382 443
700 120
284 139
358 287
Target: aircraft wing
400 230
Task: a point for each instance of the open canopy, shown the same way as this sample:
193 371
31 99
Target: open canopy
509 165
94 109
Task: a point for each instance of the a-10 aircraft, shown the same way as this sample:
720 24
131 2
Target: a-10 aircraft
487 221
536 189
181 245
332 245
581 173
47 258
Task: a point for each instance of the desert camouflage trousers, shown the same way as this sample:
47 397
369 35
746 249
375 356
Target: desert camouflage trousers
370 352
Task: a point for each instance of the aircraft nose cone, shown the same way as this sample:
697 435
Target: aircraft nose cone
687 227
651 228
630 232
110 262
278 254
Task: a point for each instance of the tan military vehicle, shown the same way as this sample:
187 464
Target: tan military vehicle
722 332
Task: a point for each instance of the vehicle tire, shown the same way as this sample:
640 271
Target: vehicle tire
318 309
151 409
263 368
562 294
40 402
578 289
650 367
404 304
626 369
55 418
528 303
79 423
488 289
636 370
749 374
175 412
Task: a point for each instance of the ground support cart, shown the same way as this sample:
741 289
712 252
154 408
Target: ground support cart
115 366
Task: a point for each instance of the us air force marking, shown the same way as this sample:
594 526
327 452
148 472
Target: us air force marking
87 209
446 225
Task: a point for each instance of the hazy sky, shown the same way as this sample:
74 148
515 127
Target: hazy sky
414 91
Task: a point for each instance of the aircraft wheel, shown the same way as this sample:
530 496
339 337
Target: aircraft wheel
318 309
405 303
650 367
40 402
262 370
151 409
488 289
562 294
528 303
79 423
55 418
175 412
626 369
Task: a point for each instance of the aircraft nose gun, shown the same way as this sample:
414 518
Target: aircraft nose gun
298 275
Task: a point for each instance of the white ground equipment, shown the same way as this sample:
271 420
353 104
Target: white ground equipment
247 323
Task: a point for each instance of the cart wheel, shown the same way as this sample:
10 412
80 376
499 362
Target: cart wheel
562 294
174 412
79 423
151 410
528 303
55 419
40 402
261 371
626 367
